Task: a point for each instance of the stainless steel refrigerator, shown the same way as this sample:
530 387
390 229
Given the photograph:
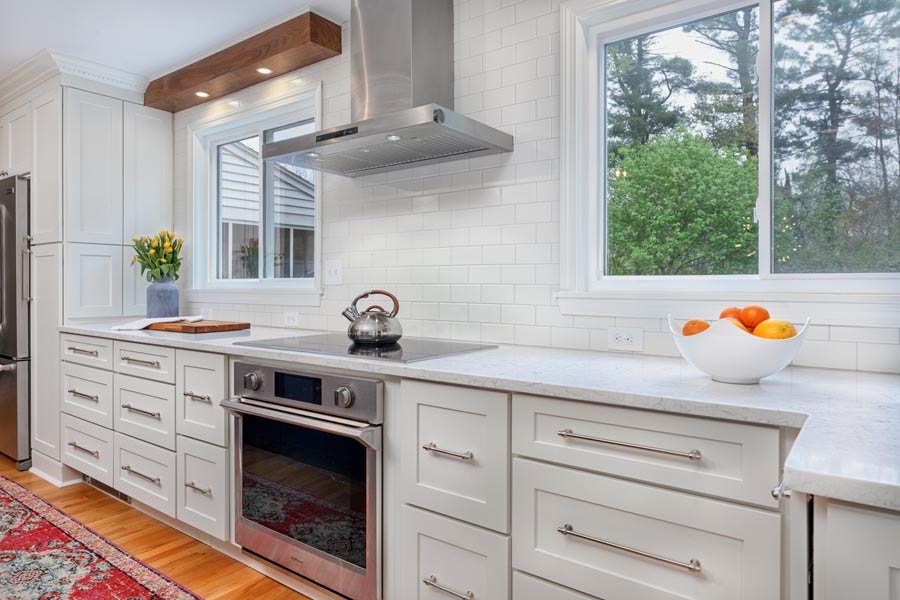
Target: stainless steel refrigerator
15 266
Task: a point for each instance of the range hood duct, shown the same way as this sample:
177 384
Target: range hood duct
401 92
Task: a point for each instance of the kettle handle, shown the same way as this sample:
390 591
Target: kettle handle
383 293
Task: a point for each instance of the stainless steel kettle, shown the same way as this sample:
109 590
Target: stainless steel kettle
374 325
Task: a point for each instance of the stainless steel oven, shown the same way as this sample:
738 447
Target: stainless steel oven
308 474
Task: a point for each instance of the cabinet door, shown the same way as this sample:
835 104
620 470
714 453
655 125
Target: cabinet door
93 281
134 286
147 154
46 317
46 168
200 384
17 140
202 489
93 159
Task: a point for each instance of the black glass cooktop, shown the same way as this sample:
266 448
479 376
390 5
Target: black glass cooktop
408 349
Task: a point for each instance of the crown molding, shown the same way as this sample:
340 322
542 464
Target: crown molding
47 64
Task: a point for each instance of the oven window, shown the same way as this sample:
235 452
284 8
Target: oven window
307 485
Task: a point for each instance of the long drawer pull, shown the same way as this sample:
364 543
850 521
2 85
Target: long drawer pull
431 580
193 396
141 361
78 394
154 480
94 453
430 447
206 491
690 455
141 411
77 350
693 565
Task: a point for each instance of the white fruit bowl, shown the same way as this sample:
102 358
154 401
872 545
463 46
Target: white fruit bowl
728 354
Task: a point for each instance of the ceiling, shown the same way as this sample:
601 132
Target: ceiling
144 38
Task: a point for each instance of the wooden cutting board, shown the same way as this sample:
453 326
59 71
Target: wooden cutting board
200 326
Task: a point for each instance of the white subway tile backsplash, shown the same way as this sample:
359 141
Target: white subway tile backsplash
831 355
872 335
879 357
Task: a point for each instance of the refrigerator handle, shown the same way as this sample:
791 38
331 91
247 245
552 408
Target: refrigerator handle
26 274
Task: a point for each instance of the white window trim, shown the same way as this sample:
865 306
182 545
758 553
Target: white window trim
203 137
864 299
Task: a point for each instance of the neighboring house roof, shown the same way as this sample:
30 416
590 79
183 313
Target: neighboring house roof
295 201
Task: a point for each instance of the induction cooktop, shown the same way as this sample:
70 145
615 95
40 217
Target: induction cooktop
408 349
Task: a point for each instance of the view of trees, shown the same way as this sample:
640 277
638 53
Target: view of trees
683 143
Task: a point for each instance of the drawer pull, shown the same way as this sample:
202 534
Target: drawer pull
193 396
94 453
693 565
431 580
78 394
205 491
690 455
141 411
77 350
430 447
154 480
141 361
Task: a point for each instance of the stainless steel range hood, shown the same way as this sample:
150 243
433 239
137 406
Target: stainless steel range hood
401 96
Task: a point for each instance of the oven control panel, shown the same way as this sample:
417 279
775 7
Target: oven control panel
348 397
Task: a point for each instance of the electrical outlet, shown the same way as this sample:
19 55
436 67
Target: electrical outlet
291 318
630 339
333 272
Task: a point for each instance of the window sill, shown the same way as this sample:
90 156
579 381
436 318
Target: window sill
278 296
862 310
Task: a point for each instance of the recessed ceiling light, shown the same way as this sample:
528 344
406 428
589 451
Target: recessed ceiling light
264 71
364 150
201 94
393 138
234 103
313 154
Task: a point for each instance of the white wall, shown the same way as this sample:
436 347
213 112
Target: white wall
471 246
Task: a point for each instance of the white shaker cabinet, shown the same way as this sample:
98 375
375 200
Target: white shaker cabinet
93 158
46 277
147 151
46 168
15 155
93 280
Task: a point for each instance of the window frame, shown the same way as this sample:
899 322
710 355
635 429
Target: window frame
586 27
230 120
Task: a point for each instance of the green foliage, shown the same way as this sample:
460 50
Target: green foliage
159 256
680 206
249 257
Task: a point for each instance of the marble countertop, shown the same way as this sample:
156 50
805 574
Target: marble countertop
849 442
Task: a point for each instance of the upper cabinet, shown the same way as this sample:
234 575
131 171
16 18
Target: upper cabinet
92 153
148 170
46 163
15 153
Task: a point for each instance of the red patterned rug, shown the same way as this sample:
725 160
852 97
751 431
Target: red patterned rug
47 555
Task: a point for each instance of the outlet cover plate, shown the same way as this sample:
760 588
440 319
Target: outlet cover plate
332 272
629 339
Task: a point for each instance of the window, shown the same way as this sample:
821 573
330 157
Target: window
714 147
265 210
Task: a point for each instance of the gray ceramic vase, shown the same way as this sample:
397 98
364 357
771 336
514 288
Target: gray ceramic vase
162 299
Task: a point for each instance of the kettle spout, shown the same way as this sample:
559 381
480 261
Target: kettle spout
350 314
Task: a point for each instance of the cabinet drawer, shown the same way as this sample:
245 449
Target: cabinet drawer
526 587
87 448
619 540
87 393
441 557
84 350
142 360
146 473
203 486
455 452
145 410
731 460
200 383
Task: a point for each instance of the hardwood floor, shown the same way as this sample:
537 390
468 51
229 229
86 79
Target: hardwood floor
201 569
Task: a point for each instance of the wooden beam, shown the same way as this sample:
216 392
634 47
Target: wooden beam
302 41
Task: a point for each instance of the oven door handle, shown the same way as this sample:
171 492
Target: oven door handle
369 436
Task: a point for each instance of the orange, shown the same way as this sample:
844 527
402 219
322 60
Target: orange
775 329
732 311
694 326
737 323
753 315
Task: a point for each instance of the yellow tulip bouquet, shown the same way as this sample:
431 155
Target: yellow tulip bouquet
159 256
